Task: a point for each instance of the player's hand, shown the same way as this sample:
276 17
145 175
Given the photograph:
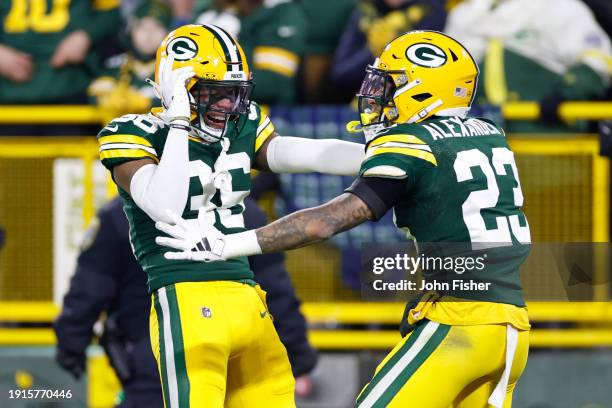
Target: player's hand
15 65
197 240
72 50
173 92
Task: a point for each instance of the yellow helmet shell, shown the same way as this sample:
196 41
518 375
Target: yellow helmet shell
213 53
432 72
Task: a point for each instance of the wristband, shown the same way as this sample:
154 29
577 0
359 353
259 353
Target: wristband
180 120
241 244
180 127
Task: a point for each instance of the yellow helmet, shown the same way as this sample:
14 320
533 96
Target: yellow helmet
419 74
221 88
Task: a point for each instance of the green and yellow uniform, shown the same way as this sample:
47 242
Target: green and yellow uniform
210 329
461 196
37 27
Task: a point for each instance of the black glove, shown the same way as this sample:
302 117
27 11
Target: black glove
70 361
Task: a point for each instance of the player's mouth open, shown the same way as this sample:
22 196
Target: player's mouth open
215 120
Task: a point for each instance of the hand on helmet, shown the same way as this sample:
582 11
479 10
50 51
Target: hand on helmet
173 92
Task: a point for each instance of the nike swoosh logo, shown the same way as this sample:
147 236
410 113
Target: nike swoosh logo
112 128
263 314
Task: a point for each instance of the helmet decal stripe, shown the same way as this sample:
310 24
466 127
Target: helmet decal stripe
230 49
236 48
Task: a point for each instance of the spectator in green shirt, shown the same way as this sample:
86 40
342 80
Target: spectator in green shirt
272 34
47 54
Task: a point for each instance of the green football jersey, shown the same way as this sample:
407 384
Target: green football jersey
462 197
220 180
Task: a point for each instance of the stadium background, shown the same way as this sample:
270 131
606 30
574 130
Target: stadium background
51 186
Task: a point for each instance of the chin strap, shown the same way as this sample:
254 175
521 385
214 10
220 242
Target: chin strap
370 131
354 126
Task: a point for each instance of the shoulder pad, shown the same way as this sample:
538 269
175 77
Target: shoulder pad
129 137
265 127
400 144
139 125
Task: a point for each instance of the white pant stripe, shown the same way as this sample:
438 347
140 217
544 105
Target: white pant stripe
380 388
169 350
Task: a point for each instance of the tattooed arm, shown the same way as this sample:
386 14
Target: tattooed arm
201 241
313 224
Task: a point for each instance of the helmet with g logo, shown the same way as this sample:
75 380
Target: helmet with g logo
221 88
418 75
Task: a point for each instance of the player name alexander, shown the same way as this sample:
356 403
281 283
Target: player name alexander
455 284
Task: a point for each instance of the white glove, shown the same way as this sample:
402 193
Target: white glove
173 92
199 240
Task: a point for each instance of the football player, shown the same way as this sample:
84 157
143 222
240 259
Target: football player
449 179
211 332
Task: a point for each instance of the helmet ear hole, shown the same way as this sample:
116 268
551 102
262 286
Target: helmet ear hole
421 97
453 55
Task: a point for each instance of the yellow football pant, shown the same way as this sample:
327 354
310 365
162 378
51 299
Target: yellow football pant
216 346
442 366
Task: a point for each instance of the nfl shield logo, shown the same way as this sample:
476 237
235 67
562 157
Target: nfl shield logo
206 312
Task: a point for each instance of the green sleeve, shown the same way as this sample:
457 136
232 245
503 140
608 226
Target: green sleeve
276 56
130 137
397 154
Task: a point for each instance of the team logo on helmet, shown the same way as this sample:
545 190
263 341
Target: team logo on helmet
184 48
426 55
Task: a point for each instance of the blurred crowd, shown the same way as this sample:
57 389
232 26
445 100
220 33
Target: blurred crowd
304 51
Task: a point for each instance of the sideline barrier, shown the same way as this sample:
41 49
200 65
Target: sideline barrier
329 313
85 114
353 313
358 339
